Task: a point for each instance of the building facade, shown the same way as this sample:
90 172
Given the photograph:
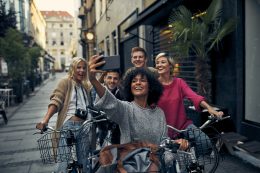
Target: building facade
87 15
60 37
121 25
37 28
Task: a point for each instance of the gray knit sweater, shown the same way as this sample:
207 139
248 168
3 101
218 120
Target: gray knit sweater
135 122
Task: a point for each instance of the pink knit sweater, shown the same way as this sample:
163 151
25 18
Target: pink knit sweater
171 102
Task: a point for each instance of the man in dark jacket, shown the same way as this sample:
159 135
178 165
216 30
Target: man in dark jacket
111 79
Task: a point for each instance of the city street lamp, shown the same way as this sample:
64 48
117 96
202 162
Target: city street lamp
90 42
89 36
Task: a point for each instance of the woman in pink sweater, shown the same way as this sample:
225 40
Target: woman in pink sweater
175 90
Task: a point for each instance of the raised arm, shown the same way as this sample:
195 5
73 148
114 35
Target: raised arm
93 63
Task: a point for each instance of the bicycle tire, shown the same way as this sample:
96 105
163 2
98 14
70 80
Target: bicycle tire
213 165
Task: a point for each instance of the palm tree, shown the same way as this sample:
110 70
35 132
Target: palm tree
198 35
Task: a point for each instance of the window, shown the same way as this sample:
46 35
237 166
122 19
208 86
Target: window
71 25
53 34
71 33
185 67
108 45
62 43
101 7
53 42
54 52
61 25
114 42
101 48
61 34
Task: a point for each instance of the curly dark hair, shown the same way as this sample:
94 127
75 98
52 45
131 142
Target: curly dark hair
155 88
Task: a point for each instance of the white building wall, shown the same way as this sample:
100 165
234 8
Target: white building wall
113 15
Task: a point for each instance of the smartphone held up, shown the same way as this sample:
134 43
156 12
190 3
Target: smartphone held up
112 63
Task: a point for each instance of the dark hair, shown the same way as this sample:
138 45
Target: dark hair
116 71
155 87
138 49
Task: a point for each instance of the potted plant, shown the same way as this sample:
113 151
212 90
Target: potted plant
197 35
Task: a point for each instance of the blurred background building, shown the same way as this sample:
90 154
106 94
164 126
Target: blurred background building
60 37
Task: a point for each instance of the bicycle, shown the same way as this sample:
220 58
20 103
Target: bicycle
57 146
202 155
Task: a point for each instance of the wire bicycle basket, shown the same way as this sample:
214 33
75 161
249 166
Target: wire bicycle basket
65 145
202 153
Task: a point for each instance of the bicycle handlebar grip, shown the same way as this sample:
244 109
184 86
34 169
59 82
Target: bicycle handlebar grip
171 144
45 128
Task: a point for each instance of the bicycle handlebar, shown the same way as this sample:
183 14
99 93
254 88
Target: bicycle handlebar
100 116
46 127
171 144
211 119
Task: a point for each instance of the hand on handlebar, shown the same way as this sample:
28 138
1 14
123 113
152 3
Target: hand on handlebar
41 126
184 144
215 113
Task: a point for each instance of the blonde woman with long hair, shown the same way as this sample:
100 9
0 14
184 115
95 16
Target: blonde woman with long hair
70 95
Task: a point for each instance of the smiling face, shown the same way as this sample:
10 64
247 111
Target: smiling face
111 80
80 72
139 86
138 59
162 65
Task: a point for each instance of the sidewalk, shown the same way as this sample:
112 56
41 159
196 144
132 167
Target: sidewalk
18 145
11 110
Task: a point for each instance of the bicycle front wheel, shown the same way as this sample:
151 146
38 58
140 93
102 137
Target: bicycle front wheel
211 160
202 156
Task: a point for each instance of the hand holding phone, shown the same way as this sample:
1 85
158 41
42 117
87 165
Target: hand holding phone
112 63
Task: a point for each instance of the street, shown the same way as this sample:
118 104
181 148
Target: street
18 146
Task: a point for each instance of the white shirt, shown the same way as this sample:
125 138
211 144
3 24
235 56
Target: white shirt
81 102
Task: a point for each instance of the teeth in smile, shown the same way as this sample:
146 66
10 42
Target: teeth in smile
138 88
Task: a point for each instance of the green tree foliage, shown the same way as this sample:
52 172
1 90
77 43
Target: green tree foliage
7 18
35 53
16 54
198 35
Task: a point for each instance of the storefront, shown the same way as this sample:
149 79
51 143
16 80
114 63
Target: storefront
233 70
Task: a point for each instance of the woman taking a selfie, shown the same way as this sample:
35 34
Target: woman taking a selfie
138 117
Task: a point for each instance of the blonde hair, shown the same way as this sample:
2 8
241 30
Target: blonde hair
170 60
73 67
